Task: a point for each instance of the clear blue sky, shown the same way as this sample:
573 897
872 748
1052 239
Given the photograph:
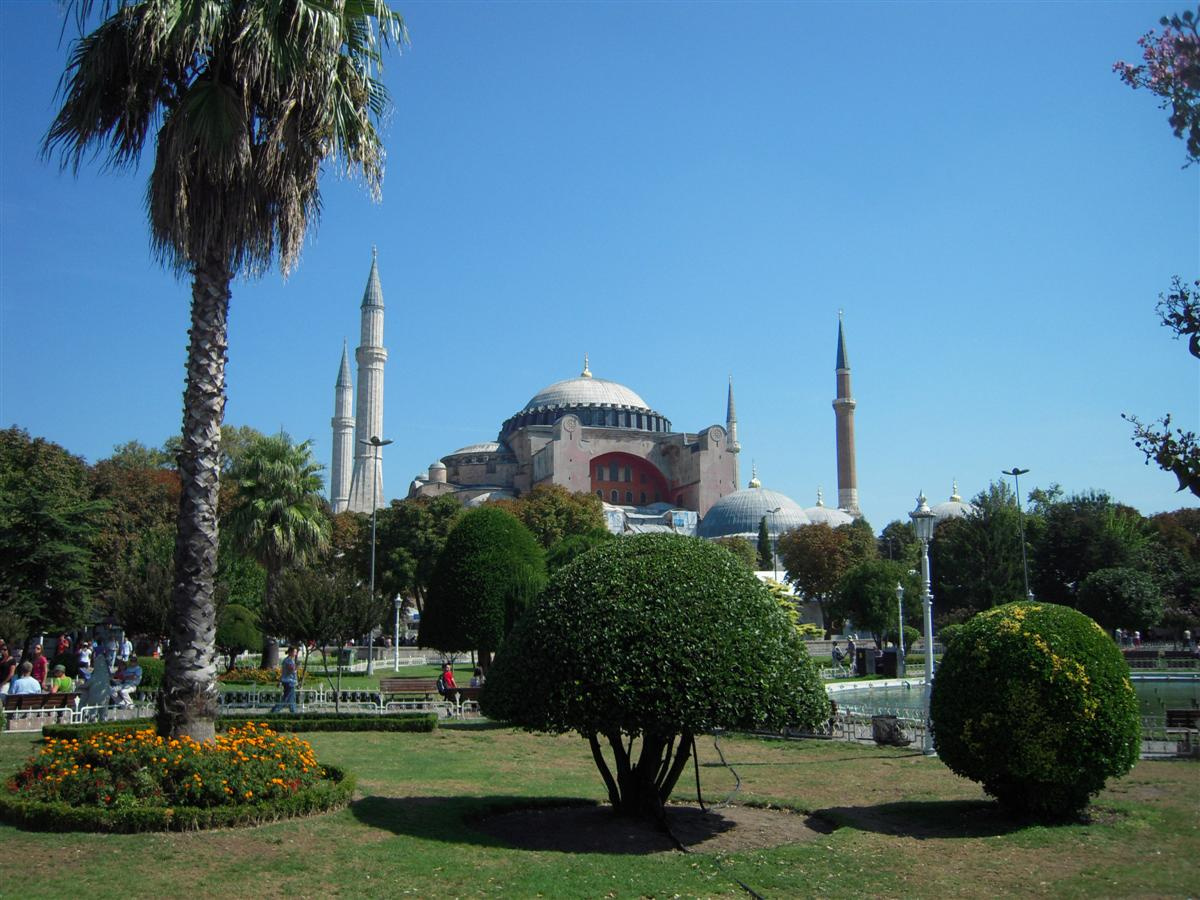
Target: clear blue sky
684 191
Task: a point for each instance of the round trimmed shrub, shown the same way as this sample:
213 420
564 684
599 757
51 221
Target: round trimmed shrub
657 637
1034 702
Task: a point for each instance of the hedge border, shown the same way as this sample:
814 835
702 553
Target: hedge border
417 722
334 792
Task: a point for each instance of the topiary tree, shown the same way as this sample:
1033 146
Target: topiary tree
237 632
655 638
490 569
1033 701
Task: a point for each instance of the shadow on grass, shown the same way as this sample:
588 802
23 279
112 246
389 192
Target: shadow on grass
562 824
923 819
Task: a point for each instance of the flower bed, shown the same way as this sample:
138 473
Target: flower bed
134 780
248 675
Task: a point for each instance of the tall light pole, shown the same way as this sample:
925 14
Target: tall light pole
378 443
923 522
396 635
774 542
901 671
1016 474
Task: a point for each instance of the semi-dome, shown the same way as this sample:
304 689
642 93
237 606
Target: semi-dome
954 508
475 449
825 515
740 513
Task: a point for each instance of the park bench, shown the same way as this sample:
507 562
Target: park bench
424 692
36 707
1183 718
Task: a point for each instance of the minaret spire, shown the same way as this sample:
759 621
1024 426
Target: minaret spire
366 484
843 411
734 445
343 436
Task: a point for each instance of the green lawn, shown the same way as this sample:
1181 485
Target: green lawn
907 827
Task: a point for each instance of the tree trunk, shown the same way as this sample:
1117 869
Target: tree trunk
187 703
641 789
270 648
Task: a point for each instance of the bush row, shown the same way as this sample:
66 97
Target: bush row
410 722
333 792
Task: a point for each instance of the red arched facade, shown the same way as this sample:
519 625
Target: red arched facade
632 481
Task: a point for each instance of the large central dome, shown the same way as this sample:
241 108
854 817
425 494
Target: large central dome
596 402
583 391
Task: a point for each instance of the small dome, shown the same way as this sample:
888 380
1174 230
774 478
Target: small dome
824 515
954 508
436 465
583 391
476 449
739 514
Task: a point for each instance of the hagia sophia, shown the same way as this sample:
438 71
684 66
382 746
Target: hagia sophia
587 434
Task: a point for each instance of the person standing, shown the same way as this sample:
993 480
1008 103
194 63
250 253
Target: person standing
287 681
8 667
40 664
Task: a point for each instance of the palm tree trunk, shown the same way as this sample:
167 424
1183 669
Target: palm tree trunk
270 649
187 703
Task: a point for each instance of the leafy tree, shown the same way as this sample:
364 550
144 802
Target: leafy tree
651 640
237 632
327 606
1082 534
136 455
816 557
245 100
867 595
766 556
1177 567
140 597
898 542
741 548
1121 598
1171 69
279 517
489 571
410 535
975 560
552 513
48 528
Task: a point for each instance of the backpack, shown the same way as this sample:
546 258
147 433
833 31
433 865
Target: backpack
441 684
838 655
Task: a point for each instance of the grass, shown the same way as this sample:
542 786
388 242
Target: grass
907 826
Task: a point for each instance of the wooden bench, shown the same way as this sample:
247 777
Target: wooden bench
425 689
1183 718
33 708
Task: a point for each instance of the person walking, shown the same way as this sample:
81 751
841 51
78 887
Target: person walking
287 681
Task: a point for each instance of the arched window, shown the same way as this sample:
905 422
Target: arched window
600 494
642 500
615 497
629 497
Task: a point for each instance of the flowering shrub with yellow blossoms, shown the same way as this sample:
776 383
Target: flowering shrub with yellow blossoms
245 765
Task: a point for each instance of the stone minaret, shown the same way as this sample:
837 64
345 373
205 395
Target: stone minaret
843 411
731 429
366 484
343 437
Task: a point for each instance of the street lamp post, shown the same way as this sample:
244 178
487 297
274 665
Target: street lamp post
901 670
378 443
1016 474
396 636
923 522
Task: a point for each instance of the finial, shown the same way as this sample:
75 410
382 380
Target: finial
820 497
954 498
586 373
840 313
374 253
754 482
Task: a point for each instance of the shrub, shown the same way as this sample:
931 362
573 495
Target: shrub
1034 702
144 778
152 672
657 637
948 634
237 632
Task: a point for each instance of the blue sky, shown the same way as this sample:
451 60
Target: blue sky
684 191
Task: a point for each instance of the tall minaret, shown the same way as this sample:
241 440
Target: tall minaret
343 436
731 430
843 411
366 484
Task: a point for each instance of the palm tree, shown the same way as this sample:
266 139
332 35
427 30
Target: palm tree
245 100
278 516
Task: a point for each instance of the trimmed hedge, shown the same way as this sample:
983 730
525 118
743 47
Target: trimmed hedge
1034 702
409 722
332 793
